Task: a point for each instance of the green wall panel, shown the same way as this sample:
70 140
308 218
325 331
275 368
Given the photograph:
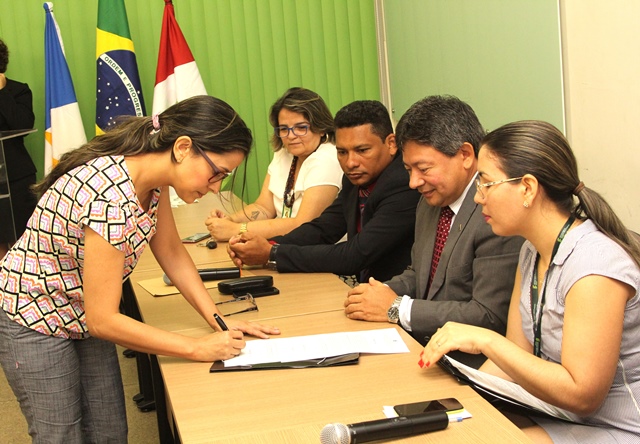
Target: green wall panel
501 56
248 52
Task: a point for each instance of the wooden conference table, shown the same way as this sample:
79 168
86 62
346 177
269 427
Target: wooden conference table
293 405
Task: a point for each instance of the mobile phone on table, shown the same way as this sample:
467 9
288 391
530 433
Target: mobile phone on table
197 237
448 405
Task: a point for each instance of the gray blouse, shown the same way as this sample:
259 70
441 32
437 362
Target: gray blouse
587 251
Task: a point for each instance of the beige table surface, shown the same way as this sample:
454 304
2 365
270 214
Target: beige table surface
293 405
299 294
189 220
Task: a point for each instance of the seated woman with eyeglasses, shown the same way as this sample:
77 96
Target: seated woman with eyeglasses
61 282
574 319
302 179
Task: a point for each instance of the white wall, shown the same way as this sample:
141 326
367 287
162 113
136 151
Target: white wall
601 57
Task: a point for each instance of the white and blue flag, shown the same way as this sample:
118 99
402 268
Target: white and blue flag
64 130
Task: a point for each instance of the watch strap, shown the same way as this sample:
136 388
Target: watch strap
393 314
271 263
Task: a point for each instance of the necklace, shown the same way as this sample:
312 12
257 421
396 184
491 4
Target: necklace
289 195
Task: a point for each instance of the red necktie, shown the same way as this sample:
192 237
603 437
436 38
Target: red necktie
363 195
444 224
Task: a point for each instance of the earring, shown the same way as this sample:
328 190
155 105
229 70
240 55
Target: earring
525 204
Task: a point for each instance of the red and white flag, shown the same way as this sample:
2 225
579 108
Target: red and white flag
177 75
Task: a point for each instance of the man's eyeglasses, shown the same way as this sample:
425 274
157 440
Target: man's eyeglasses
480 186
241 304
218 174
299 130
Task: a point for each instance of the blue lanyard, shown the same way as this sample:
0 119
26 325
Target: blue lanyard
537 319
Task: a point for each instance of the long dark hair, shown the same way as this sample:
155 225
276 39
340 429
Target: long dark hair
211 124
540 149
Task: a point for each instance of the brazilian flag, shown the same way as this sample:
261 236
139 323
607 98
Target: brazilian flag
118 90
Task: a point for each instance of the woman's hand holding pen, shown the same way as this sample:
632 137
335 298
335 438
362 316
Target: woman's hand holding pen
218 346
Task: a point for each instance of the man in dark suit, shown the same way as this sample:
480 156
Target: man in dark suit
376 209
472 280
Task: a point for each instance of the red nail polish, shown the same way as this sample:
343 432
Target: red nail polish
427 364
422 353
421 363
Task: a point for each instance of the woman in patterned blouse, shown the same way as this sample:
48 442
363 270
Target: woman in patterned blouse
61 283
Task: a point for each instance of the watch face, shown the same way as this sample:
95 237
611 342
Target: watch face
393 313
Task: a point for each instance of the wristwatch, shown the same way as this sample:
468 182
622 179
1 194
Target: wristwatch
271 263
393 314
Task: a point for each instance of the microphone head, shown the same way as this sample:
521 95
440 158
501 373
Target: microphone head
335 434
166 280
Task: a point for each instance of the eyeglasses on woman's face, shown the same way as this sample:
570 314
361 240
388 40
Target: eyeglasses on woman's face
481 186
218 174
300 129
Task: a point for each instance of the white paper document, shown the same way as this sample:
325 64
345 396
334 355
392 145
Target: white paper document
510 390
299 348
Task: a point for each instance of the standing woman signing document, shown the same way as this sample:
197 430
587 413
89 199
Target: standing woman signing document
574 319
303 178
61 283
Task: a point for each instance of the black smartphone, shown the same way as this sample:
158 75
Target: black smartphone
447 404
197 237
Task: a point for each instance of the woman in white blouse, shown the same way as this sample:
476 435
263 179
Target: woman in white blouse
307 167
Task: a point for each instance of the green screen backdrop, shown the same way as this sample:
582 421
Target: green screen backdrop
503 57
248 52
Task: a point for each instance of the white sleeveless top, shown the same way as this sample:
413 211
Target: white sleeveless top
320 168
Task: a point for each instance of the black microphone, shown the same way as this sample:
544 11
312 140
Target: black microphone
212 274
384 428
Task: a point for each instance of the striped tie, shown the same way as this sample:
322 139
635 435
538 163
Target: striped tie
444 224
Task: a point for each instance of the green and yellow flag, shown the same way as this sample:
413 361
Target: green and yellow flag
118 89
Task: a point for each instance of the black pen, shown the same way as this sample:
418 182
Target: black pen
220 322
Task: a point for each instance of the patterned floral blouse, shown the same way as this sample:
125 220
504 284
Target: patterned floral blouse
41 276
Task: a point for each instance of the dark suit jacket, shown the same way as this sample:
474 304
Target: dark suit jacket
383 246
474 279
16 112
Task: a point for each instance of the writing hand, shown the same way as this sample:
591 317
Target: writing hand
219 346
